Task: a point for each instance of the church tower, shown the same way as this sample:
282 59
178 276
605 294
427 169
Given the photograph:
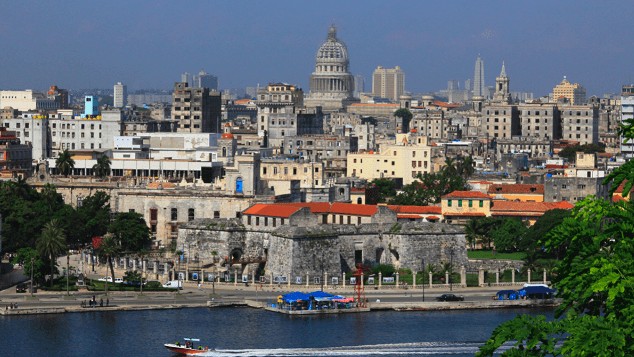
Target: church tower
502 93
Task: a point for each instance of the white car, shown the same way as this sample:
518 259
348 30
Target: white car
106 278
118 280
174 284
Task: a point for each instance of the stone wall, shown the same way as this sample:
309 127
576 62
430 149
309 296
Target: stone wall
323 250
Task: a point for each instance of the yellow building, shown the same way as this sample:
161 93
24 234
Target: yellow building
461 206
406 158
574 94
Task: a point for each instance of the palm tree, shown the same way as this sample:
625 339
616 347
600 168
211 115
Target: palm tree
466 167
52 243
65 163
102 167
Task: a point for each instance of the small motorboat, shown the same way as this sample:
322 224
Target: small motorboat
187 348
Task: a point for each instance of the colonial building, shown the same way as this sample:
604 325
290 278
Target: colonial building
198 110
580 123
567 92
408 157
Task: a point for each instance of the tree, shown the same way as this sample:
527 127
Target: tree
102 167
570 152
405 116
475 231
383 189
538 231
508 236
26 256
95 215
52 243
109 248
594 279
65 163
129 231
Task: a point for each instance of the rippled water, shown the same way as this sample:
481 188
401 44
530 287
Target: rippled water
251 332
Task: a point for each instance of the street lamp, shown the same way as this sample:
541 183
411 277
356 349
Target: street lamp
32 276
67 271
450 269
423 282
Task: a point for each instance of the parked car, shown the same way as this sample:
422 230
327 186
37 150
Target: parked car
450 297
174 284
106 278
118 280
21 288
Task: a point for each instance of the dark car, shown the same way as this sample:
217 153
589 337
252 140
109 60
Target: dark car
21 288
450 297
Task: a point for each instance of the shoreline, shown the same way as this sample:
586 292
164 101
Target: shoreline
403 306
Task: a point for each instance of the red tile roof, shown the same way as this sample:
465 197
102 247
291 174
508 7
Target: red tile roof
467 194
516 189
416 209
432 218
271 210
516 208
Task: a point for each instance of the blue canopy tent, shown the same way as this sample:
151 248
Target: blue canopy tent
507 295
537 292
295 296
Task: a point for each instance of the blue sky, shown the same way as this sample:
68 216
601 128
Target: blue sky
147 44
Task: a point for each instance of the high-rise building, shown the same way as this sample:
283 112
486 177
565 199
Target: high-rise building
573 94
120 95
91 106
479 89
331 84
186 78
388 82
359 85
627 112
205 80
59 95
196 109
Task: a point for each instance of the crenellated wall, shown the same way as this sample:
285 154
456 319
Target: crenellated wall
297 252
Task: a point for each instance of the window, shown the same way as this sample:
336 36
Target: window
190 214
216 214
470 203
459 203
174 214
481 203
448 203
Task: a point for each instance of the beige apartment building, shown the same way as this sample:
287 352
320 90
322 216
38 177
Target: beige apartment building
388 82
409 156
580 123
500 121
574 94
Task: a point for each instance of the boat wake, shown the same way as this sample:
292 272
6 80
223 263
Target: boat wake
397 349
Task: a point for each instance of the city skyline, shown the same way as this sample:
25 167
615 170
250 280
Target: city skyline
248 43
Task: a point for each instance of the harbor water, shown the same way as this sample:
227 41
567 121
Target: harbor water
252 332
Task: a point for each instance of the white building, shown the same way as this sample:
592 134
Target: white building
26 100
120 95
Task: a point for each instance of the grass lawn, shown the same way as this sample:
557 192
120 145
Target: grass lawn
488 254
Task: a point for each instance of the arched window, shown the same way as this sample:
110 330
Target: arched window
359 201
224 151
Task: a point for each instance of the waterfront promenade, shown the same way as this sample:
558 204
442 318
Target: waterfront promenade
388 297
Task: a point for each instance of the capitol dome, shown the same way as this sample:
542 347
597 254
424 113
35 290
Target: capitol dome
331 84
333 51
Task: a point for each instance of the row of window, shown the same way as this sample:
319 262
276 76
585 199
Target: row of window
450 203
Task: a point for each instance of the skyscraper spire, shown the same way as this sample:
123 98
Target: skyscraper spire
478 78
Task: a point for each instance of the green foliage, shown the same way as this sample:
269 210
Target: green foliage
623 174
538 231
508 236
24 257
384 269
489 254
404 114
132 276
129 231
51 243
65 163
102 167
594 279
94 213
430 187
384 189
569 152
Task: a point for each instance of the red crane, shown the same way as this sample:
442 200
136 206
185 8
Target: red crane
359 288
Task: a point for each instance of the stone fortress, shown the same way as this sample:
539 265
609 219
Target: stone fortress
297 241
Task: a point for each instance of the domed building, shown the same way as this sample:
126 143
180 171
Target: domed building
331 84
